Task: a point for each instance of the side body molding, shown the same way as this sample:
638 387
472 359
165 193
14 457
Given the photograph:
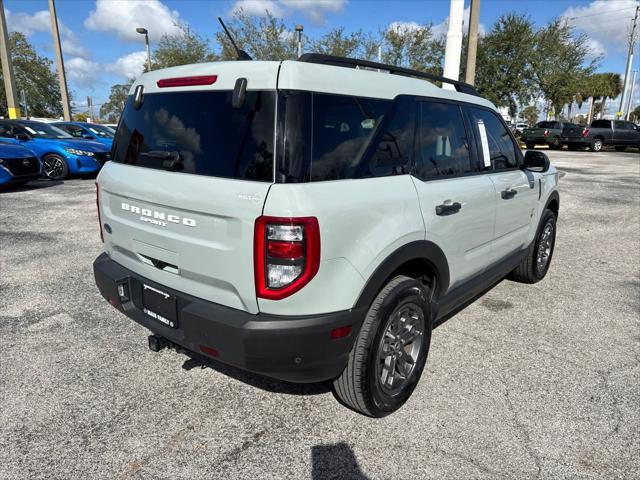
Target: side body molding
421 250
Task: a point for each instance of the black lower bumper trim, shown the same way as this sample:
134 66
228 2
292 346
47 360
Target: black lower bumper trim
295 349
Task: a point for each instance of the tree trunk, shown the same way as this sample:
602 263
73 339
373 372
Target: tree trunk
602 106
590 115
569 111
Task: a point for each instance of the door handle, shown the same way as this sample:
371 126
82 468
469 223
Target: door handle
448 209
508 193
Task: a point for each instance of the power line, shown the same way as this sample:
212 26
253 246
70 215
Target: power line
599 14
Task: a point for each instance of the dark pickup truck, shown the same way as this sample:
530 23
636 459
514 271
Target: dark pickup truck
615 133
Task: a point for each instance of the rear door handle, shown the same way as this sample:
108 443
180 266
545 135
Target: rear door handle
448 209
508 193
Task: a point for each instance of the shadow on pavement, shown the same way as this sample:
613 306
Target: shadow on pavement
255 380
32 185
335 461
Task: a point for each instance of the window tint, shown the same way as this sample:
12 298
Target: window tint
6 131
442 145
601 124
342 127
547 125
72 129
620 125
502 149
200 133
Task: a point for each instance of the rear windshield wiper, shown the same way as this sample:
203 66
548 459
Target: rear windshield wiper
171 160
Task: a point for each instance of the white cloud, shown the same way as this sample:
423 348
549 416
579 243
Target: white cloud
129 66
442 27
605 21
314 10
596 48
122 17
82 72
40 21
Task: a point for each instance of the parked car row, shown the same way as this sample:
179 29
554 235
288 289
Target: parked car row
555 134
31 148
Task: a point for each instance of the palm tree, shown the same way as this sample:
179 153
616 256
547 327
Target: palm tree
605 85
612 87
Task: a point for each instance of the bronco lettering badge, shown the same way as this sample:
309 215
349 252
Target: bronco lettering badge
157 218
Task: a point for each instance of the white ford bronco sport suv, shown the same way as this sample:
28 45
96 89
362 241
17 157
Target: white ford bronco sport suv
313 220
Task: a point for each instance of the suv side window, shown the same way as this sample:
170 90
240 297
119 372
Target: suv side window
601 124
620 125
441 141
502 149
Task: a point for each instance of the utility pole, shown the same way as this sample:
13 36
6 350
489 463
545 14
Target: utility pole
453 48
472 46
7 68
627 69
299 29
66 109
24 103
630 103
90 105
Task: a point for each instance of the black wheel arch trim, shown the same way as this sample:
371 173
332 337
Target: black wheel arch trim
423 250
553 196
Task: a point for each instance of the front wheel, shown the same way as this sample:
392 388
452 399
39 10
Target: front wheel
390 351
55 167
535 264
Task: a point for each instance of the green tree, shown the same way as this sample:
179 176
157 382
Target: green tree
34 75
558 63
184 48
355 44
634 116
264 38
503 72
530 114
80 116
111 109
412 47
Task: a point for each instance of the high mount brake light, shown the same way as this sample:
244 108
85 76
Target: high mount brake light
286 255
98 207
187 81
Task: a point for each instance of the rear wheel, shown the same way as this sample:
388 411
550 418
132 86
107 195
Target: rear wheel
535 265
55 167
596 145
554 144
620 149
390 351
530 145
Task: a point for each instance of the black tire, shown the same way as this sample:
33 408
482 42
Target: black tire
530 270
530 145
596 144
55 167
620 148
360 386
555 144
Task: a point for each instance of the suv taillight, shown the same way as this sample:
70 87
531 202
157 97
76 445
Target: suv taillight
98 207
585 132
286 255
546 133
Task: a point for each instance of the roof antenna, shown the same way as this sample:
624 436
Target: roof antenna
242 55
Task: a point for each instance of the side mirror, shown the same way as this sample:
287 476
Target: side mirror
88 136
23 137
536 161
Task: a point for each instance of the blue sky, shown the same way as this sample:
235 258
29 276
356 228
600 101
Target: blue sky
101 47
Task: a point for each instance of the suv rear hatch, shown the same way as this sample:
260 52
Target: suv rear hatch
537 132
189 176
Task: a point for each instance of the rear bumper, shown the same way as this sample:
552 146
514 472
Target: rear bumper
295 349
580 141
544 140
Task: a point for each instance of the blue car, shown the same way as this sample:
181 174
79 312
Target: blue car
18 165
87 131
60 153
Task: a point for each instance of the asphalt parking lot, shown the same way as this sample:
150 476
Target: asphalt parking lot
535 381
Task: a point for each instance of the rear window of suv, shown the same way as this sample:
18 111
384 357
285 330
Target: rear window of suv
200 133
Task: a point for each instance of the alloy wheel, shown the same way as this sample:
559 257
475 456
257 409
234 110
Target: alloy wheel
53 167
544 247
400 347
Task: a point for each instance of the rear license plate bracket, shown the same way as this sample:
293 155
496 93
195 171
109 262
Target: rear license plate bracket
160 305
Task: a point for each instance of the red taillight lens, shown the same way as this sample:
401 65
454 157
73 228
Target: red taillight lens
585 132
187 81
546 133
286 255
98 207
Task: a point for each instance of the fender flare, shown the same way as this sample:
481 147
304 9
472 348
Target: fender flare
418 250
553 196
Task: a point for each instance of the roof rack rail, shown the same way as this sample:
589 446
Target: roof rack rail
322 59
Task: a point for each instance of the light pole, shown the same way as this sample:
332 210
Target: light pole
299 29
145 32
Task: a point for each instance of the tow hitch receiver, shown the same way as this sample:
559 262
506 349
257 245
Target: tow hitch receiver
157 343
